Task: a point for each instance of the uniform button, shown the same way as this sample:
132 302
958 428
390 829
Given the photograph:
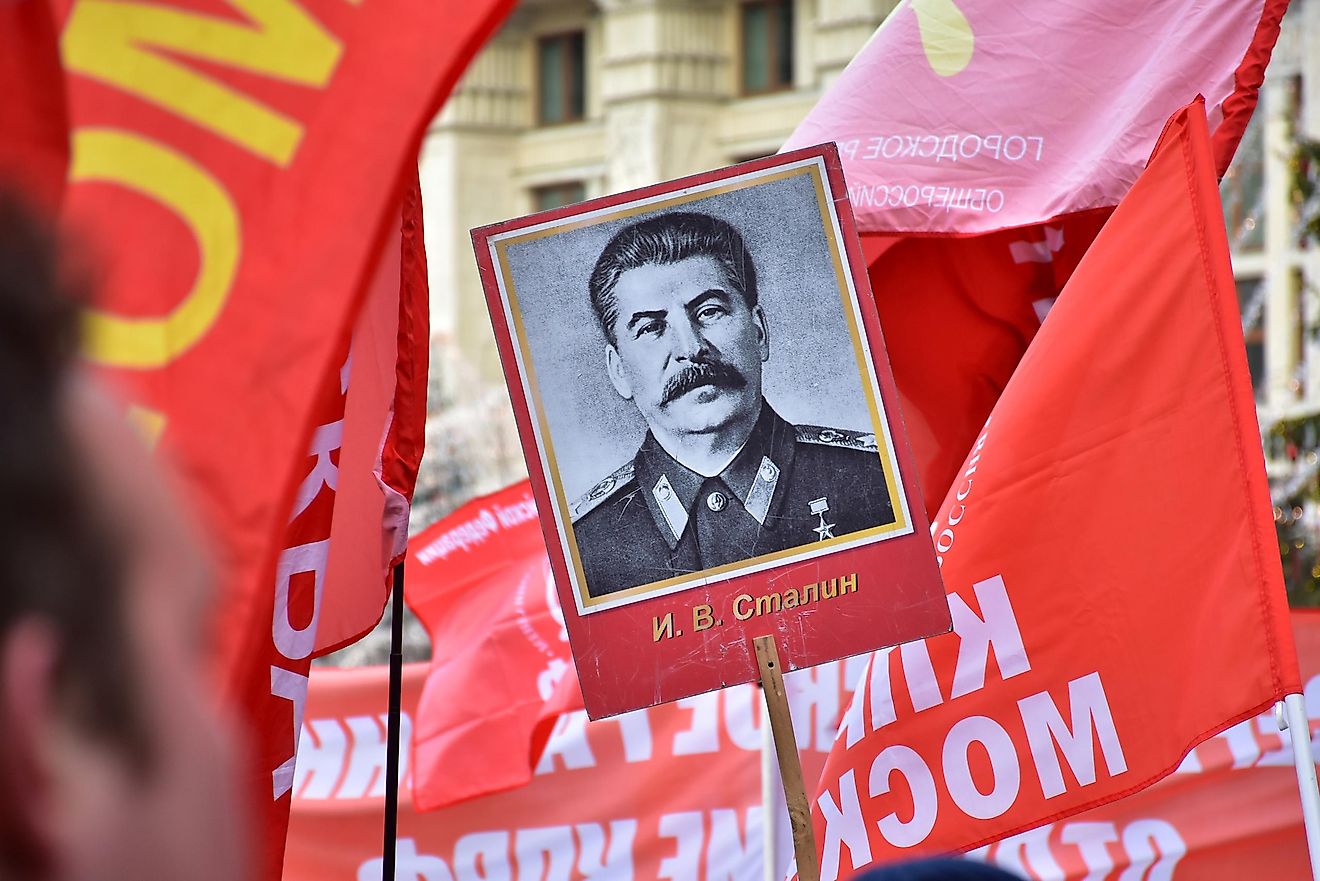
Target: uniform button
716 501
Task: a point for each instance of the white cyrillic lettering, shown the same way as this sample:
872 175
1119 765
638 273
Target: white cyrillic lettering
567 741
925 801
920 675
813 695
742 716
1144 840
483 856
1092 840
327 439
844 827
1003 765
321 753
1090 717
732 854
997 631
296 643
635 727
703 735
1029 854
544 854
292 687
686 829
366 759
595 862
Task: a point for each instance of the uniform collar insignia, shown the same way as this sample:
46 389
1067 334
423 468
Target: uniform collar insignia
752 476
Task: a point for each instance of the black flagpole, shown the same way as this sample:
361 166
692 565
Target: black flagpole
392 729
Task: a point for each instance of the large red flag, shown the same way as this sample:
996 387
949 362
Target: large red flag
1109 554
239 168
1028 122
1230 812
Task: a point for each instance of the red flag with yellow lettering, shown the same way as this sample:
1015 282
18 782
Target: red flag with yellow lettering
1109 553
238 167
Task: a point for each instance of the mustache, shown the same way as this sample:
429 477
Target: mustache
715 373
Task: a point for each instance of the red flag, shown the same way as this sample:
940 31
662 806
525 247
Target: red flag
1229 812
238 166
480 581
34 122
1109 553
383 435
934 144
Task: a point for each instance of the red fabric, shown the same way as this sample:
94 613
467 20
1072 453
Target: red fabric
34 124
957 315
240 199
480 582
384 432
406 440
670 774
1231 811
1112 529
1241 103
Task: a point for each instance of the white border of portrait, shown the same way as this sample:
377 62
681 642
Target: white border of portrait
902 524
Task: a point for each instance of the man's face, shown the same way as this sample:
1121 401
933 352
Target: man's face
688 348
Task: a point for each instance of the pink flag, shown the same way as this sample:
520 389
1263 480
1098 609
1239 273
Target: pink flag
969 116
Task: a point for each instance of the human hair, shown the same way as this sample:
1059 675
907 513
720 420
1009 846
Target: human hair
668 238
58 562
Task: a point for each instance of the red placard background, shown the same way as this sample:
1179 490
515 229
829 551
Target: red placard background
899 594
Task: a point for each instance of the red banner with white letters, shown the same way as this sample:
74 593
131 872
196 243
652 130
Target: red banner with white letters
1097 635
673 793
237 169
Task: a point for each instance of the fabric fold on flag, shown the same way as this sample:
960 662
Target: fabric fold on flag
1027 123
1109 552
480 582
383 433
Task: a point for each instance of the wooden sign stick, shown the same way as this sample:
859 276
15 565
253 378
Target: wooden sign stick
790 766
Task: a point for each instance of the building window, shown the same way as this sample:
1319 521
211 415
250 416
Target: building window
1242 191
1251 302
561 86
558 195
767 45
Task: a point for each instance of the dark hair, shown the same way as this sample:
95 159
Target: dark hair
668 238
58 562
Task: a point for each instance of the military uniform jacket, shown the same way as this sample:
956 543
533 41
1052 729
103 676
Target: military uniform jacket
789 486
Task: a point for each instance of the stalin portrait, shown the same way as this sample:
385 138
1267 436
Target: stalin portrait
720 477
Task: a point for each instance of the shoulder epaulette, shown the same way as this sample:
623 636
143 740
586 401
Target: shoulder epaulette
836 437
588 502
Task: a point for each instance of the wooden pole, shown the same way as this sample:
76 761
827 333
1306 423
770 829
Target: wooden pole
790 766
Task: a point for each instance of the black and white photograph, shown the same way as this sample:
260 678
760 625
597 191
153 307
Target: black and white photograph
700 383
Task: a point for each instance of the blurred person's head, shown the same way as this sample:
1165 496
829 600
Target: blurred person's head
112 762
937 869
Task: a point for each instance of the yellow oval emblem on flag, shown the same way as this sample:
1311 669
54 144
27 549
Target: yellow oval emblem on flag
945 35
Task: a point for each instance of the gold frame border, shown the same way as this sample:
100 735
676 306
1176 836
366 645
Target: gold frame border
901 524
